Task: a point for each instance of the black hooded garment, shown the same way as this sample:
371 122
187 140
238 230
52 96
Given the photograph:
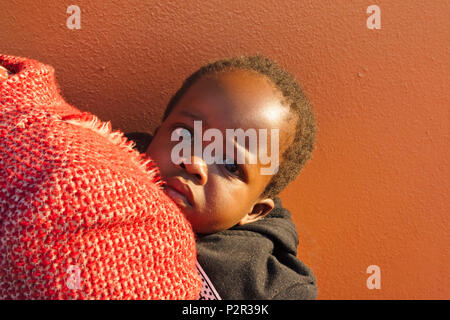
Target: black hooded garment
257 260
254 261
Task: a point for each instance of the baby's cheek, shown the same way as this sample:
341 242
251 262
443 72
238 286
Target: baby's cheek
157 152
237 204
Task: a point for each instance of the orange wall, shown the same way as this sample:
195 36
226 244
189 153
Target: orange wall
376 191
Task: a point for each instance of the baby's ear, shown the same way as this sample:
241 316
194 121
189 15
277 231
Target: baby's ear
260 209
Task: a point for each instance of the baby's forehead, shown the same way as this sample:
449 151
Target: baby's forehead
245 90
244 79
237 99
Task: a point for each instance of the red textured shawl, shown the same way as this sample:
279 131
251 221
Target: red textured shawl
82 214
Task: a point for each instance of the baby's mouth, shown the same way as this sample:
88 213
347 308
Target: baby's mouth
176 196
179 192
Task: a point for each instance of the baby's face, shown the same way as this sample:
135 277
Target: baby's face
216 196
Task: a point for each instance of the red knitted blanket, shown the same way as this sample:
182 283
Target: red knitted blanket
82 215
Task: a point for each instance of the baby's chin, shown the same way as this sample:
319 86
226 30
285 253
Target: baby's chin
195 217
198 225
201 227
191 215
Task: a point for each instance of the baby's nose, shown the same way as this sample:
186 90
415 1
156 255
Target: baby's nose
198 168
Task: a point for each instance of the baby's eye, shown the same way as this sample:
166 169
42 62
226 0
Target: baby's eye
232 167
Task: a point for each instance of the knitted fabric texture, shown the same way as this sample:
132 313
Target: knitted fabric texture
82 214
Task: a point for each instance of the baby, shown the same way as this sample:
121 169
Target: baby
246 241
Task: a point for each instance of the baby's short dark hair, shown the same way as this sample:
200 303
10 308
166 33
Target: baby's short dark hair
296 155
